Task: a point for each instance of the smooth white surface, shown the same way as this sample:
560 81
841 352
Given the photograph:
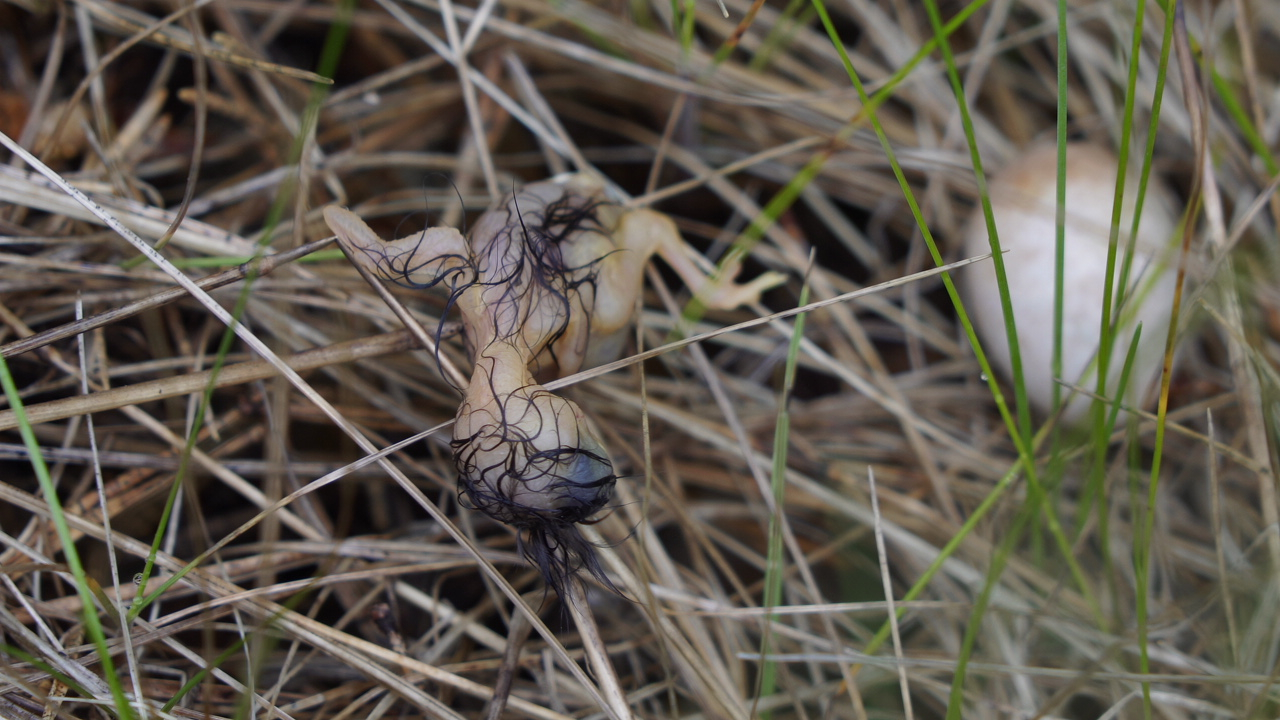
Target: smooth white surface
1023 203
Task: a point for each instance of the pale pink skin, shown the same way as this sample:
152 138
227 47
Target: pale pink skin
530 454
1023 203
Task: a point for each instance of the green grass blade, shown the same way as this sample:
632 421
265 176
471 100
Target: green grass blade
1110 303
1060 204
775 570
92 623
1025 517
868 111
18 653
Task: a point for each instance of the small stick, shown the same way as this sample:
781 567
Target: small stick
517 634
597 654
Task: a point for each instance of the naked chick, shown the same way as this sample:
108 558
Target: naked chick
546 285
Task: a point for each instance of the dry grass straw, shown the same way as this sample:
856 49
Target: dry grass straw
306 576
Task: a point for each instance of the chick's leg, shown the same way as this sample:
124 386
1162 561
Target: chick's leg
419 260
644 232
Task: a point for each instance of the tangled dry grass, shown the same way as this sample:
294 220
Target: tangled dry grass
310 558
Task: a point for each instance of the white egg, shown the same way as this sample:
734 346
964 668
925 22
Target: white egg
1023 203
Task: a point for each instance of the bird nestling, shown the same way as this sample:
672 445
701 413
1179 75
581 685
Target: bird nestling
546 286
